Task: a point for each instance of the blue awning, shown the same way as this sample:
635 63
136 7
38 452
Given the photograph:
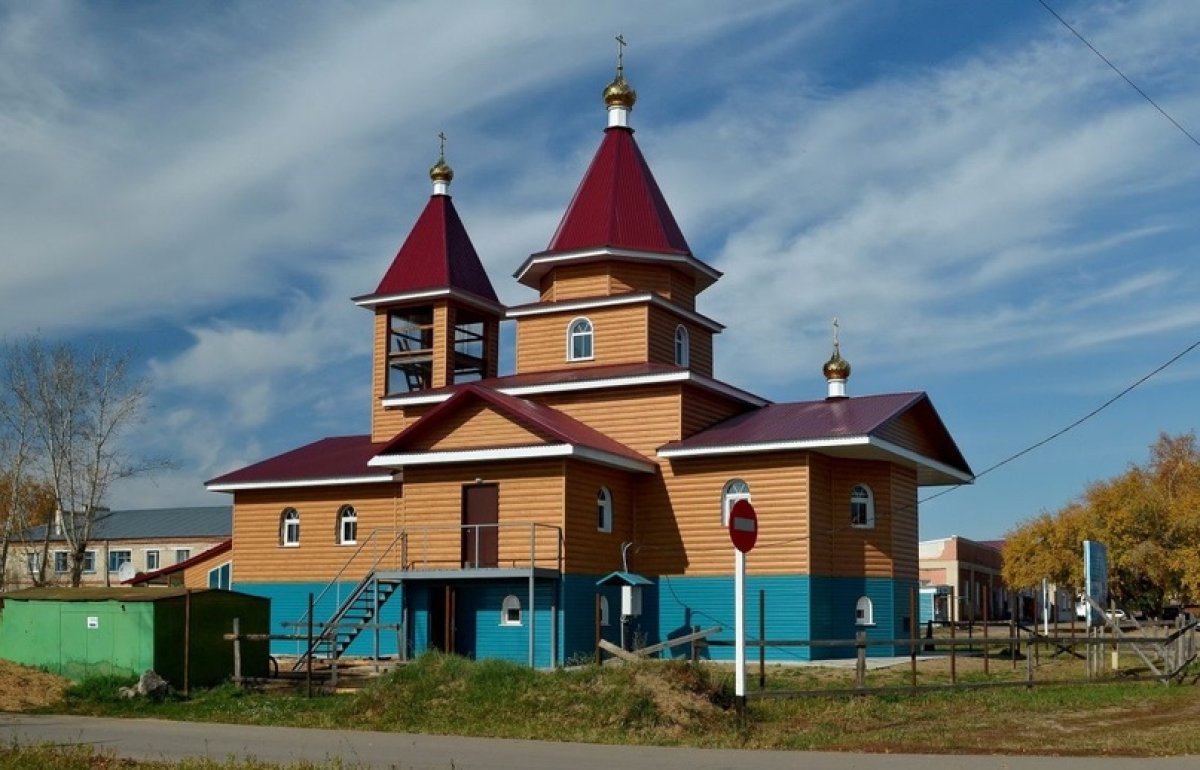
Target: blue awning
620 578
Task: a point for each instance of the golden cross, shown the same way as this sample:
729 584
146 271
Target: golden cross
442 148
621 55
835 334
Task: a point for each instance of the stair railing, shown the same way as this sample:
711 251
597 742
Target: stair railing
335 583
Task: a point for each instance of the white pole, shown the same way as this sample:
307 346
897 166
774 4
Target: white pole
739 610
1046 606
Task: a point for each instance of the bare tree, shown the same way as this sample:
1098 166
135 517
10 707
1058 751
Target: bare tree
78 405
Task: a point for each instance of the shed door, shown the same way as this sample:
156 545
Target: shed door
480 516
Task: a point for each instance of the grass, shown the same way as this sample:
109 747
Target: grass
672 703
88 758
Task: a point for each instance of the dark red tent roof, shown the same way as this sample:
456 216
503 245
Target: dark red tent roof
618 204
438 254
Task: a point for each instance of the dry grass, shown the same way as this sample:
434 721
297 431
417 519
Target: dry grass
23 688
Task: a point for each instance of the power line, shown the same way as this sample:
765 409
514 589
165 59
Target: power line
1075 424
1114 68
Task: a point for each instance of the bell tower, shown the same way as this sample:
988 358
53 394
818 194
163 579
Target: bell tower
437 318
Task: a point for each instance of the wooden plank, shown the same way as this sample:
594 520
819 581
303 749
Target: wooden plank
677 641
613 649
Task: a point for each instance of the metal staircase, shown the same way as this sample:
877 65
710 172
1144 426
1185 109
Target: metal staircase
355 614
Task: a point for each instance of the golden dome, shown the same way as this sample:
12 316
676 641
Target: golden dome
441 171
836 368
619 93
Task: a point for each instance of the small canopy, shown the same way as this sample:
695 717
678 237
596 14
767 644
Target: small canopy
620 578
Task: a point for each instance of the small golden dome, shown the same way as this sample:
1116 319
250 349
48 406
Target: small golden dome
836 368
441 171
619 93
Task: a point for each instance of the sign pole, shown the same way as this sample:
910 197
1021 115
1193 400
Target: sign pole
739 609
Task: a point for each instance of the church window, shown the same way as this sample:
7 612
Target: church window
510 611
604 510
682 352
862 507
579 340
864 612
735 489
347 525
289 527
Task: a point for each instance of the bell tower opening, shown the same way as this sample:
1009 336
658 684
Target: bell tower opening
410 350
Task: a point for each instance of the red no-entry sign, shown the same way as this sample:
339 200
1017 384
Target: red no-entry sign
743 526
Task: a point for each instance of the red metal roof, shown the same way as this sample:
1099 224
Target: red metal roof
826 419
537 417
618 204
438 254
146 577
337 457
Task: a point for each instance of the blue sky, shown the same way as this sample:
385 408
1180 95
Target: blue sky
992 213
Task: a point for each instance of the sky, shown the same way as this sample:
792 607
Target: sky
994 216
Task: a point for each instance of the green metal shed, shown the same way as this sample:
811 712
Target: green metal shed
78 632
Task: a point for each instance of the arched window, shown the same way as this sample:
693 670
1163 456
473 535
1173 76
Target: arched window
862 507
289 527
603 610
347 525
735 489
682 348
604 510
864 612
510 611
579 340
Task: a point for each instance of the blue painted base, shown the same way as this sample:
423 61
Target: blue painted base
798 607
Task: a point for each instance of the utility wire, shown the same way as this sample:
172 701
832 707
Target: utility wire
1112 66
1075 424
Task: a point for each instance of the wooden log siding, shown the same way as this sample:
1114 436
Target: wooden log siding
679 515
619 337
703 409
479 426
603 279
588 550
528 492
662 341
910 431
905 557
196 576
256 517
641 418
842 550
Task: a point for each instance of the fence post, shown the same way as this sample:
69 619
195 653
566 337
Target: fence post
237 652
953 646
912 636
597 615
762 636
860 666
1028 662
987 655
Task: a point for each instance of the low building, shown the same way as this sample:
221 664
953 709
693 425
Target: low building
123 544
971 571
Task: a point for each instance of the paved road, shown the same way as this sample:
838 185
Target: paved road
163 740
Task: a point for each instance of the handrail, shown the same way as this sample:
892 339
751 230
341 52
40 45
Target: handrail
317 599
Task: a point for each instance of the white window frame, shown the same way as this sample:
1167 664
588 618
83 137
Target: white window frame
217 569
864 611
66 562
186 554
89 556
683 346
734 490
604 611
589 335
347 515
113 552
509 604
289 528
604 510
33 560
861 495
157 559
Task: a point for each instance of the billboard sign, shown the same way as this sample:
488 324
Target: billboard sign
1095 577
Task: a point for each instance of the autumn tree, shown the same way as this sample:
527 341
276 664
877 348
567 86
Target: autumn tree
1148 517
66 412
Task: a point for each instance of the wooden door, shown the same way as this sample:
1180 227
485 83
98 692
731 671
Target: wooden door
480 535
442 609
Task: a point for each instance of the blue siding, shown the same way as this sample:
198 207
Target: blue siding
578 618
289 603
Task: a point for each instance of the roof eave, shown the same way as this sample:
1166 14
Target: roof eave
539 263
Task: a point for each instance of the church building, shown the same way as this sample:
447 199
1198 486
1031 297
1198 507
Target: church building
509 516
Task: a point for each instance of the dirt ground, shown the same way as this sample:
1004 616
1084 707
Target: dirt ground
23 688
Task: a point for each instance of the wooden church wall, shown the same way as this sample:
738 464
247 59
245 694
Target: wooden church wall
619 337
529 491
256 520
642 418
679 514
588 550
662 341
842 550
477 426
